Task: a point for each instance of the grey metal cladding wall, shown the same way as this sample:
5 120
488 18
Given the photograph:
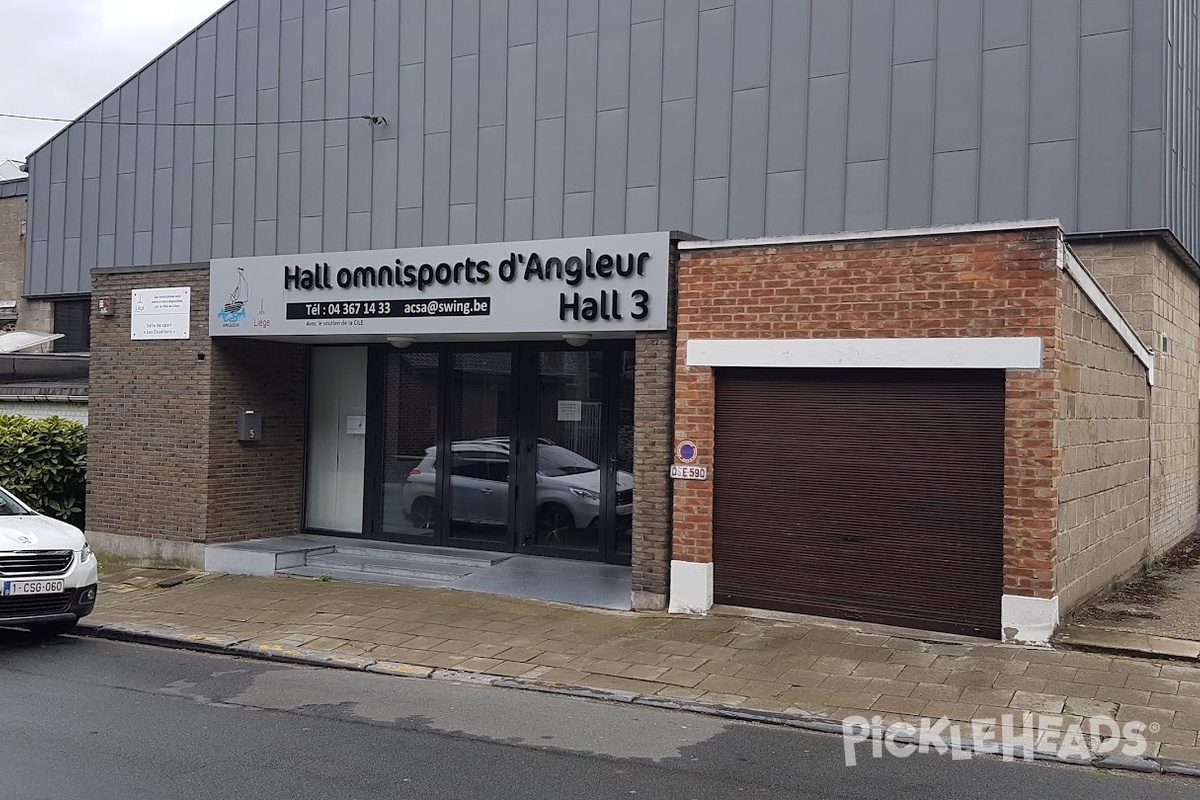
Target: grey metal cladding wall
17 187
512 119
1183 121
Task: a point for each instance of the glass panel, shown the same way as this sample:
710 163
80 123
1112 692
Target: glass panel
624 422
481 425
410 433
570 391
336 438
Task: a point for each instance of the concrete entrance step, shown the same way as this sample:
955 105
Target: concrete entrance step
268 556
475 559
559 580
359 576
391 564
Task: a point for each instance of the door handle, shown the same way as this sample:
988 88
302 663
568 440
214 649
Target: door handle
486 491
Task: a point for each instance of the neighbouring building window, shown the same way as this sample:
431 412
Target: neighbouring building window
71 320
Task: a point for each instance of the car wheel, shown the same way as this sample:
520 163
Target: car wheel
423 513
52 629
554 525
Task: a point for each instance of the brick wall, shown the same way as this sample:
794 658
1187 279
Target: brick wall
1159 296
163 460
652 411
653 448
256 489
653 445
148 417
1104 434
961 285
31 315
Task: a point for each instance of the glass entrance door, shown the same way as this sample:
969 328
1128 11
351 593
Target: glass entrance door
481 431
526 448
570 459
410 434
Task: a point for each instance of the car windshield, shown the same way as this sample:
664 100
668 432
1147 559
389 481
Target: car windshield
11 506
555 461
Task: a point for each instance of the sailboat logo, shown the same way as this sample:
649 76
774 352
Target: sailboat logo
235 310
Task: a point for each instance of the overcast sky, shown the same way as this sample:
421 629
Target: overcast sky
61 56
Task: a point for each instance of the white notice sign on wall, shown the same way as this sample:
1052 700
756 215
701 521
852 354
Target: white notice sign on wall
161 313
570 411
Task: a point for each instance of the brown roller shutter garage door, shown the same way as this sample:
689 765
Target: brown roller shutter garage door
873 495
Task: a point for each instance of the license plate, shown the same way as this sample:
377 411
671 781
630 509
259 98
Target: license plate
689 472
32 587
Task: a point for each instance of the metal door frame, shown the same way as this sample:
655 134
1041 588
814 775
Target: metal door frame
522 459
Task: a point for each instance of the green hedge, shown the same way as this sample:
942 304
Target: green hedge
44 462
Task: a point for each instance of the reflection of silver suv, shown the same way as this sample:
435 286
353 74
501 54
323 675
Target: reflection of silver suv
568 487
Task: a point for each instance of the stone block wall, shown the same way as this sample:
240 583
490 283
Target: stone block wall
29 315
1103 430
76 412
1160 297
12 257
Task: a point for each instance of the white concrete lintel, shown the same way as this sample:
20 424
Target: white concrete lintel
1028 620
996 352
691 588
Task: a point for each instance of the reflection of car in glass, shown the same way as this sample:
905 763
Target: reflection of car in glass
47 570
568 488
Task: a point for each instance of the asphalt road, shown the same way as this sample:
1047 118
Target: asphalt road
85 718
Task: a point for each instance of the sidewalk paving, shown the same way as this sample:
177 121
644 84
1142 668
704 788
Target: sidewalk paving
1154 614
770 664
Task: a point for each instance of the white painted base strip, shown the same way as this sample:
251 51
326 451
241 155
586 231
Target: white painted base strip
691 588
1029 620
997 352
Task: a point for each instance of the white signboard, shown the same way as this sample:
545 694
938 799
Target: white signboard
600 284
161 313
570 410
689 472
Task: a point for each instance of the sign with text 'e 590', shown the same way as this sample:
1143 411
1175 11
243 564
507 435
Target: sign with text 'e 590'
689 472
596 285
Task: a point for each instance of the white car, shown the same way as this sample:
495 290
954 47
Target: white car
47 570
